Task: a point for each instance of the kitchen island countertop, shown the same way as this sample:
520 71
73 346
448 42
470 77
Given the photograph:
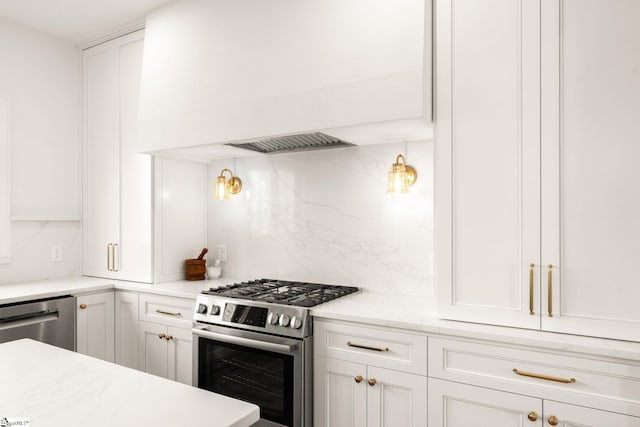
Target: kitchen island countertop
53 387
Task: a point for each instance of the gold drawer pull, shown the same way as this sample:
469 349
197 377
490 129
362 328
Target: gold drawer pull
83 306
553 420
169 337
358 379
545 377
162 336
168 313
532 416
366 347
372 382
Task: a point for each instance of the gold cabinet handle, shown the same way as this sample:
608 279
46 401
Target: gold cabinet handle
168 313
358 379
550 290
116 249
83 306
161 336
372 382
366 347
532 416
531 266
553 420
545 377
169 337
110 257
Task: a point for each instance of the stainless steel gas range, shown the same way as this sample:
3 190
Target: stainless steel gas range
253 341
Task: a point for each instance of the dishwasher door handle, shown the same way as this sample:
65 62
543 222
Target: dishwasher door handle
28 320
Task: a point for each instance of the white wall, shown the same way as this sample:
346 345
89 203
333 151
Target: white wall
40 76
324 216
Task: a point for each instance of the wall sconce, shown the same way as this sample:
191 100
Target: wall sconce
401 176
225 187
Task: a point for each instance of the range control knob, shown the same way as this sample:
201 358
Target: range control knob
273 318
215 310
202 308
296 322
284 320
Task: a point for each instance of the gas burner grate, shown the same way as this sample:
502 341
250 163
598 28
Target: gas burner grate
299 294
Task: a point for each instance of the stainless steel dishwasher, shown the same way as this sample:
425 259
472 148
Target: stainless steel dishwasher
51 320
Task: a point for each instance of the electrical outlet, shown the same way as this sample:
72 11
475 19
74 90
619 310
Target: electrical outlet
222 252
56 253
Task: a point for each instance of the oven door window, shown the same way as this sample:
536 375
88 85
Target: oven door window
257 376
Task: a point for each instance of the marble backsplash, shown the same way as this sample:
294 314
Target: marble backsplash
31 251
324 216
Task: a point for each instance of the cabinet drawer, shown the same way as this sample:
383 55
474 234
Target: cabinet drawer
606 383
382 347
169 311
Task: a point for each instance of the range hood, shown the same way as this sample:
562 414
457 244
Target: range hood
232 78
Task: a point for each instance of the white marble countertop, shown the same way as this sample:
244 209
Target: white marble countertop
397 311
16 292
56 387
420 314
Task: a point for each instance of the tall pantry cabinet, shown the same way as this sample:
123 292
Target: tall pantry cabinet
117 193
537 195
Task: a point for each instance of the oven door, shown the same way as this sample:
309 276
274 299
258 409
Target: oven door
269 371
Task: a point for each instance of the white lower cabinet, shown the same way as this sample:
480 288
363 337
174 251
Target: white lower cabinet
165 351
453 404
95 325
578 416
126 325
352 394
368 376
460 405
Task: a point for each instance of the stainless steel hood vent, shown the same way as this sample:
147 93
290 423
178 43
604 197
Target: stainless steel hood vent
291 143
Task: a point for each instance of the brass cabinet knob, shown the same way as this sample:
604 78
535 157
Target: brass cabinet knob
372 382
553 420
161 336
169 337
358 379
532 416
83 306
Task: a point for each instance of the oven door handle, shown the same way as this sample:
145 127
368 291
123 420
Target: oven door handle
247 342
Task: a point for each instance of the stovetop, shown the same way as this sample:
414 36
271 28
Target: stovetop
299 294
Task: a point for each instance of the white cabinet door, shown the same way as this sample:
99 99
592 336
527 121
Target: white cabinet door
460 405
590 152
179 355
396 399
487 159
153 350
134 242
340 393
100 189
117 178
579 416
126 332
95 325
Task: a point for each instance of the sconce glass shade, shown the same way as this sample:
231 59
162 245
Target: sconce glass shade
221 191
400 176
225 187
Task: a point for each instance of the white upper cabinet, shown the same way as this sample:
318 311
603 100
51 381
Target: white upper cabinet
117 178
590 154
488 151
227 70
537 144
